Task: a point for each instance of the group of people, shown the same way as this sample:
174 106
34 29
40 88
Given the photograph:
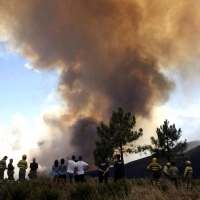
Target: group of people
73 171
103 169
22 165
170 172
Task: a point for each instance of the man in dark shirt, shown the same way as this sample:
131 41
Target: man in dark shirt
173 174
119 169
33 171
103 171
10 172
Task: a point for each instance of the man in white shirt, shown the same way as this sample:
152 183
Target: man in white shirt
80 169
70 169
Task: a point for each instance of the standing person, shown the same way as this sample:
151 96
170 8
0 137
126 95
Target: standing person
10 172
155 168
62 170
2 168
173 174
33 172
22 164
80 169
55 172
166 171
118 169
70 169
103 171
188 175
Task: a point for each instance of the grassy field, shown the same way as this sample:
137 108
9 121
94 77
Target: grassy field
130 189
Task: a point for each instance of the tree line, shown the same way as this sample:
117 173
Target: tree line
119 137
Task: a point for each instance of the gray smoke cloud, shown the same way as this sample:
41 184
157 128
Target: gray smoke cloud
109 54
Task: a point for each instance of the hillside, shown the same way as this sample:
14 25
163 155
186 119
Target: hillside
192 144
138 168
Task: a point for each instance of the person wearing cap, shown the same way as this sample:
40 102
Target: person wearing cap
103 169
155 168
166 171
118 169
22 164
188 175
2 168
10 172
33 172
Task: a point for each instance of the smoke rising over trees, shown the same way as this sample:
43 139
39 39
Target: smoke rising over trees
108 53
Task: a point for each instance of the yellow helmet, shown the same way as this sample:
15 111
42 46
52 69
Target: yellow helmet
154 159
188 162
24 156
168 164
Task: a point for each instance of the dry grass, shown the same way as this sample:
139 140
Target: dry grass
131 189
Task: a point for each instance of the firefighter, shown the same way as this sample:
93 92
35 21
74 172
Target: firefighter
103 171
155 168
2 168
22 164
118 169
188 175
10 172
33 172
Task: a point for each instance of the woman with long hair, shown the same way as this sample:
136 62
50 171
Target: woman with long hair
62 169
55 172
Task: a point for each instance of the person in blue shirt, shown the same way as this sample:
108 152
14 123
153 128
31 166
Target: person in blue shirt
55 171
62 170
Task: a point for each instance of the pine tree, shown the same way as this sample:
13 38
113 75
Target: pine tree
118 137
167 145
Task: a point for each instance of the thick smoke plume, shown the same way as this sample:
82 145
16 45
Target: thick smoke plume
109 53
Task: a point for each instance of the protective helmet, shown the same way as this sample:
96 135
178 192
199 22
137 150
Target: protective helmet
188 162
154 159
24 156
168 164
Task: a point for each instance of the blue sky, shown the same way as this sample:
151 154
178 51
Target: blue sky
21 89
25 94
